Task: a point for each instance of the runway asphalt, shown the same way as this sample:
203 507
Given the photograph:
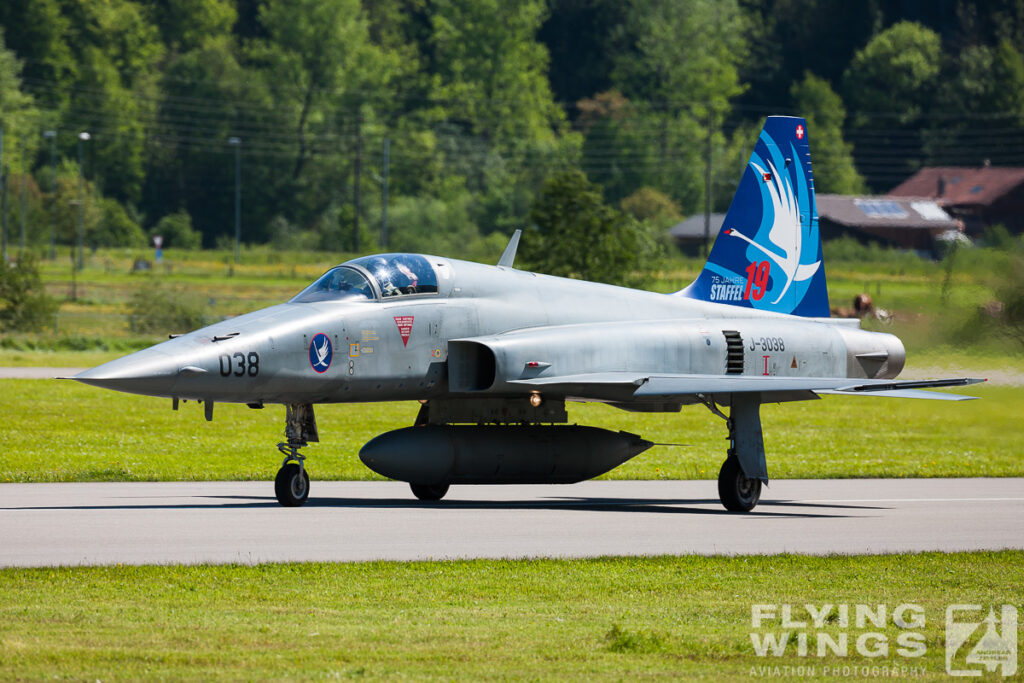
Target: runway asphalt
38 372
241 522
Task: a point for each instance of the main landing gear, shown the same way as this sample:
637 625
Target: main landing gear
292 482
737 492
744 469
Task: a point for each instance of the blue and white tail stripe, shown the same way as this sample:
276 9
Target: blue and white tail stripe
768 255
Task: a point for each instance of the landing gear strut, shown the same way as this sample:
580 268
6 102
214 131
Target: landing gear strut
744 469
292 482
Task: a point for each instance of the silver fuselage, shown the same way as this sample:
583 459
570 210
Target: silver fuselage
399 348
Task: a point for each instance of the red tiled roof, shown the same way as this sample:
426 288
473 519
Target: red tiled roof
963 184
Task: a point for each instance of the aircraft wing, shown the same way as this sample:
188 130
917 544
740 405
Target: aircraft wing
634 386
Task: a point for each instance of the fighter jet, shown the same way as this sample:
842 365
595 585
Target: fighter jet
493 353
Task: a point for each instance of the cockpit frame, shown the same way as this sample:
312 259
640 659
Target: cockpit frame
389 277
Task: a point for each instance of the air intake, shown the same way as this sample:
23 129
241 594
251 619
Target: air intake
733 353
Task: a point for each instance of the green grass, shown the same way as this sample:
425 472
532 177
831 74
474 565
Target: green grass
665 617
56 359
65 431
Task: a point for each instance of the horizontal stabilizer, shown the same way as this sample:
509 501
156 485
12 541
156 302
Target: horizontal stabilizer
877 385
902 393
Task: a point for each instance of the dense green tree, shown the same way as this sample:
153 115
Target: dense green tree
187 24
895 73
679 65
789 37
988 81
319 65
19 117
619 151
39 32
578 35
177 231
979 22
327 81
491 69
65 204
890 87
814 99
684 56
24 304
656 213
117 51
468 96
981 89
115 228
503 130
574 233
209 97
648 204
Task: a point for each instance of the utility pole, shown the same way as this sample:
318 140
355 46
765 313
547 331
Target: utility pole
707 193
82 137
237 144
24 182
52 135
3 204
358 171
3 207
385 165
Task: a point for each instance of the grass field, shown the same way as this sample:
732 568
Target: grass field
63 431
665 618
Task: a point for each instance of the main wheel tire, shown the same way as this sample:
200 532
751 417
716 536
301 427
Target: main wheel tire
429 492
291 486
736 491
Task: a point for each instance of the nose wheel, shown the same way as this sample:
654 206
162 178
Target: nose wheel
292 483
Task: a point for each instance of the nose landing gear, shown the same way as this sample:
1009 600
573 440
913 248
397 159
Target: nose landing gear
292 482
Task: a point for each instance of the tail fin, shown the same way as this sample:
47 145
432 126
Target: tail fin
768 255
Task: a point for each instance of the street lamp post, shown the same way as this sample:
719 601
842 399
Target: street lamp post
52 135
385 168
237 144
82 137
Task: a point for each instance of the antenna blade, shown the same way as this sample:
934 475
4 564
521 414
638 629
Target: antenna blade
509 255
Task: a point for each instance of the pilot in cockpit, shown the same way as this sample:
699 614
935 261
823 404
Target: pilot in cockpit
407 278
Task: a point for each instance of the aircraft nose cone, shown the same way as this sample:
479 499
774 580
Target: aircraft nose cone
151 372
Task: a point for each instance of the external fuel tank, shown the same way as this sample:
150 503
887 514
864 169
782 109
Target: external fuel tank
491 454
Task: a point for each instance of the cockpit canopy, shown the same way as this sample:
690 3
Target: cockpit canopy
393 274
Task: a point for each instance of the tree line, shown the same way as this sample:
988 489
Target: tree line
432 125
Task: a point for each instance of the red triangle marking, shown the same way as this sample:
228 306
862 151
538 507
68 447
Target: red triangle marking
404 323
